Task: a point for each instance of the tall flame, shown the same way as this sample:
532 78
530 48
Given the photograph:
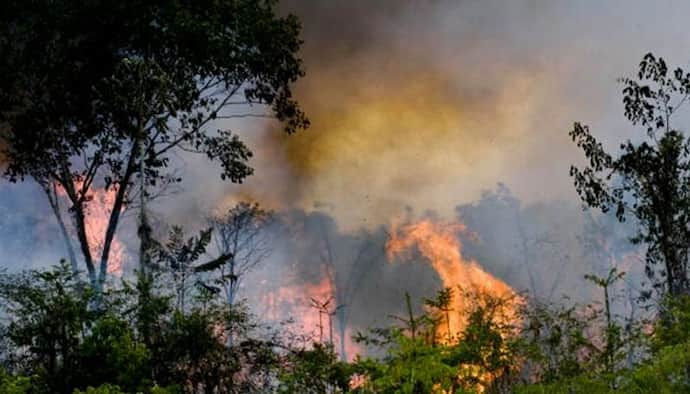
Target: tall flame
98 211
98 215
439 243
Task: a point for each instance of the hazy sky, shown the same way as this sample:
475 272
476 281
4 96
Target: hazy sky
426 103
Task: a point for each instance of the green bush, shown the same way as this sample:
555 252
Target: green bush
668 372
104 389
578 385
10 384
315 370
114 389
122 360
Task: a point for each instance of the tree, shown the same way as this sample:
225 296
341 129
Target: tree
101 93
410 366
57 337
241 235
346 259
557 340
650 179
613 341
180 256
57 343
441 305
49 317
315 370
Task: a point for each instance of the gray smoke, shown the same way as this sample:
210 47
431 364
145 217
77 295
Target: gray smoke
422 106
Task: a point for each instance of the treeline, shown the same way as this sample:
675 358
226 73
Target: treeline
61 336
105 95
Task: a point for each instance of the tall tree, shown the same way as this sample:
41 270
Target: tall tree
90 89
241 234
649 179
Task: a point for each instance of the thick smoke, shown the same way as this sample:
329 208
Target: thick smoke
420 108
29 236
543 249
426 104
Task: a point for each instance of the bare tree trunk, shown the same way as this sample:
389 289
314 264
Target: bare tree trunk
342 328
412 322
115 213
53 200
67 183
320 327
330 328
525 254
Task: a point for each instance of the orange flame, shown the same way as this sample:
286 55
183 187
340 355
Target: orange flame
438 242
299 303
96 220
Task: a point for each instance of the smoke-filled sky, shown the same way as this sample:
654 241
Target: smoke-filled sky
426 103
420 106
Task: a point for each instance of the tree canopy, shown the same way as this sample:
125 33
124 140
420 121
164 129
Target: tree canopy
647 180
102 92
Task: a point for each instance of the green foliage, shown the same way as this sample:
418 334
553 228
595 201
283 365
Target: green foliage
613 339
488 347
556 342
121 359
482 356
440 311
56 334
179 257
114 389
649 179
191 351
315 370
103 389
138 338
10 384
50 314
581 384
100 93
668 372
411 366
673 326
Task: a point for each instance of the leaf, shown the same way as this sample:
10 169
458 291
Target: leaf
213 264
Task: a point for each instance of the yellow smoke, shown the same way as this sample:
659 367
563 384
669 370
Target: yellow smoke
381 140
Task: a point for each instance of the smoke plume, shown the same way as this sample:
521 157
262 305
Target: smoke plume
420 108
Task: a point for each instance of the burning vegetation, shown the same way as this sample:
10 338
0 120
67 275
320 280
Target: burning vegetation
100 203
101 103
439 244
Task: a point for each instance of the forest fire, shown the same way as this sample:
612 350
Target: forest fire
393 196
438 242
97 216
298 301
312 309
98 213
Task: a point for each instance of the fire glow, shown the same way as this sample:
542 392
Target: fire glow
96 221
438 242
312 309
